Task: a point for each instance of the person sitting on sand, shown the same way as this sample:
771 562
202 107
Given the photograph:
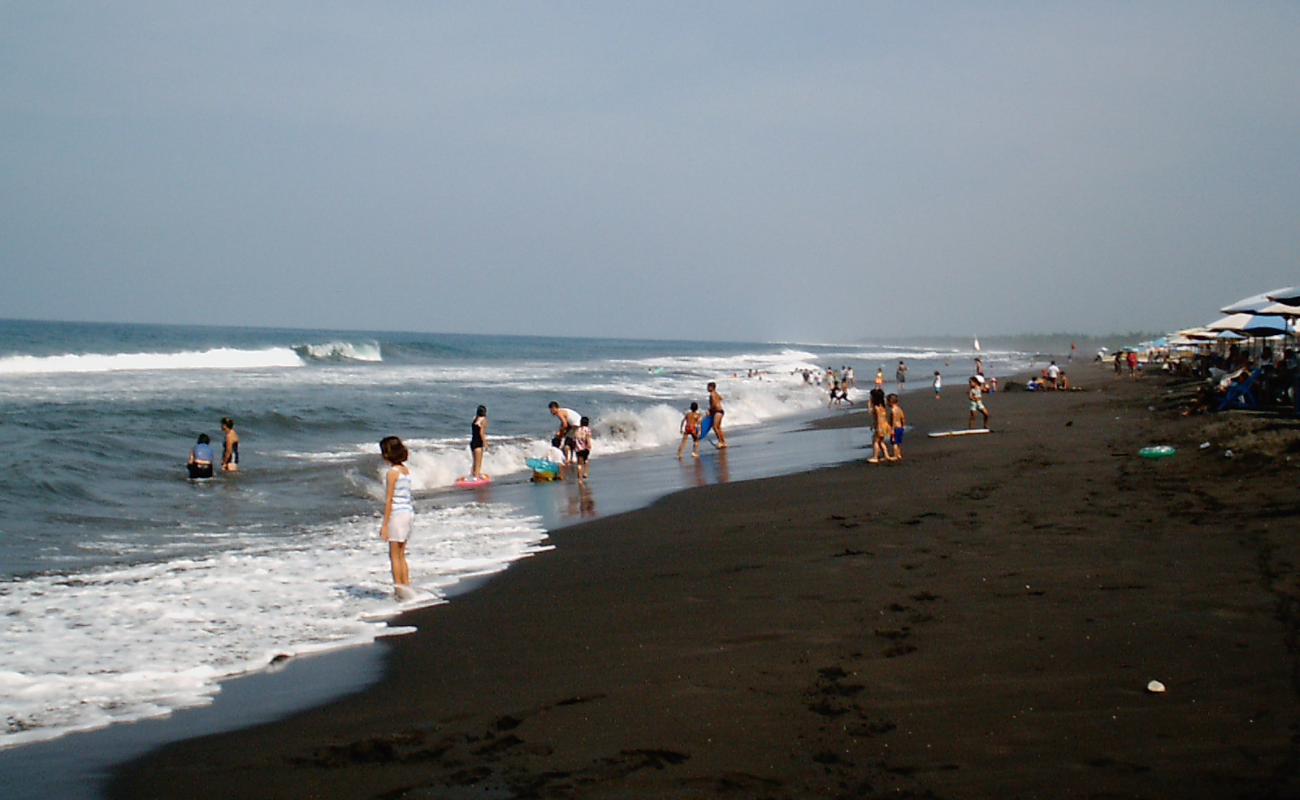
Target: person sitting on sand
898 424
881 430
399 512
200 463
976 395
550 467
229 450
716 412
690 429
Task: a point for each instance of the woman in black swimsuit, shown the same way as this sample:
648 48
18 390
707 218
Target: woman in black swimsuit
478 440
229 450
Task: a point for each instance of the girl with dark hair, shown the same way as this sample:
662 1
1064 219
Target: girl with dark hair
200 463
478 442
230 449
399 513
881 428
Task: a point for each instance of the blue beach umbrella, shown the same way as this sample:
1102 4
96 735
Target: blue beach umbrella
1261 325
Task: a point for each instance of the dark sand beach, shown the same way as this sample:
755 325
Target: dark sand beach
981 620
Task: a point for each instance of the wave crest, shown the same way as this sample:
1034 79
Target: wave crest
340 351
216 358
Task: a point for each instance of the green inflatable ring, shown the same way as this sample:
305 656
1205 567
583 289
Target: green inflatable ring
1157 451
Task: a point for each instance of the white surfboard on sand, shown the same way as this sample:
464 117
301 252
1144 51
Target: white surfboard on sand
966 432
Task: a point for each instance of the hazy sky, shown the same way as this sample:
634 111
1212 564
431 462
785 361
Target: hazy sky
815 171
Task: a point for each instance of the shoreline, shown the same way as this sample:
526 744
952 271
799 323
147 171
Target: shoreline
72 764
982 621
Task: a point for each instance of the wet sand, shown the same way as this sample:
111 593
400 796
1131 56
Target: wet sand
981 620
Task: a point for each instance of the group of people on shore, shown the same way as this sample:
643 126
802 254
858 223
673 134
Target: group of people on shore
1052 378
571 446
889 425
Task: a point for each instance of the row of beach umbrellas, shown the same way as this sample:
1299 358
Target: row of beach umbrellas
1263 315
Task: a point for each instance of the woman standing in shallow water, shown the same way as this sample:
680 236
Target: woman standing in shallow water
399 513
478 441
230 449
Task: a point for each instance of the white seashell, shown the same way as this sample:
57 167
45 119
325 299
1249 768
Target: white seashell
1156 687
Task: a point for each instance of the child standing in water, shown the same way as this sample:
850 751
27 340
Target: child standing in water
478 441
938 384
898 421
690 429
582 440
399 513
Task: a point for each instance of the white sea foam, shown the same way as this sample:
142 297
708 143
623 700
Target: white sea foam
84 651
217 358
341 351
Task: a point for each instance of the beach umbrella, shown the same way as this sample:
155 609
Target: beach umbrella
1232 322
1197 333
1252 304
1267 326
1289 296
1280 310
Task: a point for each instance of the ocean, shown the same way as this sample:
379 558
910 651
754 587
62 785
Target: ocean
129 592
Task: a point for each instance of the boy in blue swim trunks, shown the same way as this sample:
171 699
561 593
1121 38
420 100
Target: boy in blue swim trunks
897 421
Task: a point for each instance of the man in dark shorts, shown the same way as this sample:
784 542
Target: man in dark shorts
716 412
569 422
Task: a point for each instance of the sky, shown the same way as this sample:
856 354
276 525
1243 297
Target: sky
816 171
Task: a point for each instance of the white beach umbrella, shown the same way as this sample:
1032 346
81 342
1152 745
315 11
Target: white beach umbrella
1279 310
1197 333
1232 322
1251 325
1252 304
1289 296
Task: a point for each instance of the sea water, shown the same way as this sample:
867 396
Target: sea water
128 592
